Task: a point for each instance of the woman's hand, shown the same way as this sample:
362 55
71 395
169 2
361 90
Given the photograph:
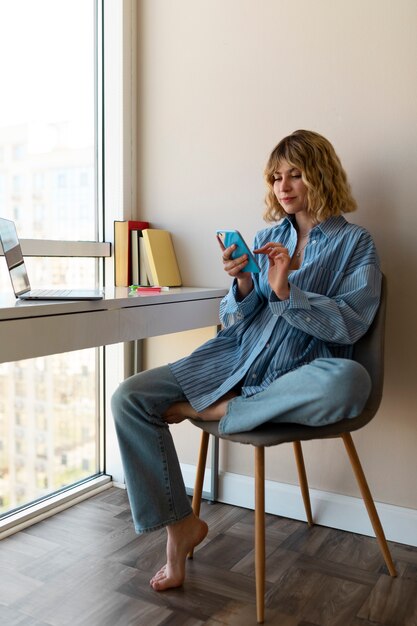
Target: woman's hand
279 263
234 268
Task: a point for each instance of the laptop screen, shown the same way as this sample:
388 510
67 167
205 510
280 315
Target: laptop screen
14 257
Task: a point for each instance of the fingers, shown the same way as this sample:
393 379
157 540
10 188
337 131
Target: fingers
274 251
233 266
279 260
271 248
227 252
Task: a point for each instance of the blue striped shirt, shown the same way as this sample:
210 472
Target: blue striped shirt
334 296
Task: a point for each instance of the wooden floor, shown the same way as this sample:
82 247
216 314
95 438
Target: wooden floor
86 567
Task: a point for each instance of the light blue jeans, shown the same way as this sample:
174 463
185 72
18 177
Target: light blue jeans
319 393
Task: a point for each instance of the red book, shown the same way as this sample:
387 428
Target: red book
122 254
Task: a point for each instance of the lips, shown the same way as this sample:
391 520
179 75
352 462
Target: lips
288 199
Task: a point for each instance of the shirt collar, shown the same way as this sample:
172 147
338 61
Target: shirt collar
329 227
332 226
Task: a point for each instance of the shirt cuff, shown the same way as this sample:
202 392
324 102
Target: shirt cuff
298 299
276 305
248 304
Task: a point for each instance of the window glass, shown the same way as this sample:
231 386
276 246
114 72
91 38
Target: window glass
47 113
49 407
48 426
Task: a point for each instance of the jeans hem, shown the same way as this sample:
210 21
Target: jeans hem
143 531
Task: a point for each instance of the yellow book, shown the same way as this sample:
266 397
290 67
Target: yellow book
162 262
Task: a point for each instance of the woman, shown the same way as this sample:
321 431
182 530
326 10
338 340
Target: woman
284 353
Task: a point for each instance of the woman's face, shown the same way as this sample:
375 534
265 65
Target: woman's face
289 189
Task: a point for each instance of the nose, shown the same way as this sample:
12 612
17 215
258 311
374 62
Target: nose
285 183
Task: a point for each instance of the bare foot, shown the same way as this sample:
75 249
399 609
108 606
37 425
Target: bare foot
218 409
180 411
183 536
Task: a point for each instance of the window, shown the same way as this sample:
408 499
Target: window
50 407
48 114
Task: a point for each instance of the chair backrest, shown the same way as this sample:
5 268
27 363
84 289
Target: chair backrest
369 351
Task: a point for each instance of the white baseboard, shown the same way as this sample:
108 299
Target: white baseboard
46 508
329 509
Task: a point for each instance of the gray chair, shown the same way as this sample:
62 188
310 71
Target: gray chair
369 351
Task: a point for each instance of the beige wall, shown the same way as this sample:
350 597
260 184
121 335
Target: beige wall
220 82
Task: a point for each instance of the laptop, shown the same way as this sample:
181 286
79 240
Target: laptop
19 276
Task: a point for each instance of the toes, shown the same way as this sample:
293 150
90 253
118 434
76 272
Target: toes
155 585
158 576
165 580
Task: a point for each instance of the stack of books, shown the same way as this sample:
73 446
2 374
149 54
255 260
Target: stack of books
144 256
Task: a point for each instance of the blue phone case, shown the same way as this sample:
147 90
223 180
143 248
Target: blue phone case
230 237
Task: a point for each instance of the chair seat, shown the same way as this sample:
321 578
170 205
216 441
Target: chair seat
275 434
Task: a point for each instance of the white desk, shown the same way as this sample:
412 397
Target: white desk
32 329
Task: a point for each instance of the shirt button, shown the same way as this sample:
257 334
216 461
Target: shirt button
267 345
308 319
314 241
253 375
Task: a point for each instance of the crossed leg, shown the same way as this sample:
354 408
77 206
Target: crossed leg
180 411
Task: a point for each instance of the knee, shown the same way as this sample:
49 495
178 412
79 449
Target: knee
117 401
121 399
354 379
349 385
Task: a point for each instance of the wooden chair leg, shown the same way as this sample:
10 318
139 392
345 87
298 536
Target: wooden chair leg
260 532
302 477
199 477
369 503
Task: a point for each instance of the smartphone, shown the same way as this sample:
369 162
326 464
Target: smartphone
230 237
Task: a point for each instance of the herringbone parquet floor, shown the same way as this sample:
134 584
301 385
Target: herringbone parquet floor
86 567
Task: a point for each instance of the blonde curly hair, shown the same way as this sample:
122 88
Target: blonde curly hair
328 190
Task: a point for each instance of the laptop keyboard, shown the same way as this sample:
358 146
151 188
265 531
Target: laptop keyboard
56 293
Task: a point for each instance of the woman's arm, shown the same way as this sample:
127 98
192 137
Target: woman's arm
342 318
234 308
242 299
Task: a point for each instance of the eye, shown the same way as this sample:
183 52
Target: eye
277 178
297 175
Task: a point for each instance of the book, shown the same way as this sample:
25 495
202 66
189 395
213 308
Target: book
138 259
122 253
134 255
161 259
144 271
